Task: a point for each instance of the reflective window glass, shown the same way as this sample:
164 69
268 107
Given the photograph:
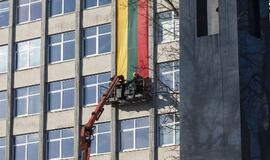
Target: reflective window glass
26 147
60 143
4 13
94 87
29 10
61 47
134 134
61 95
97 40
28 54
27 100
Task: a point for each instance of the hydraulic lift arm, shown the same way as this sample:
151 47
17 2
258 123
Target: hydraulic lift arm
87 130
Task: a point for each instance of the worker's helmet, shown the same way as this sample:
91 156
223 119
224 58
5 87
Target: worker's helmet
135 74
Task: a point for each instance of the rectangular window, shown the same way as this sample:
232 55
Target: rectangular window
60 7
97 40
26 147
28 54
3 59
60 144
254 26
3 104
134 134
61 95
27 100
101 142
207 17
29 10
61 47
168 27
96 3
4 13
2 148
169 74
94 86
169 129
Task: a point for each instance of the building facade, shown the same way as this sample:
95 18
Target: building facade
56 60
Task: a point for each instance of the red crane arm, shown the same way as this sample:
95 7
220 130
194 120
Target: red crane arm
87 129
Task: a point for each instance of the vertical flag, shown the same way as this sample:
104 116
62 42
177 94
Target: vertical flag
132 38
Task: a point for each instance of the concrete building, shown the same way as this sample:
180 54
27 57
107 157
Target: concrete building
56 57
224 79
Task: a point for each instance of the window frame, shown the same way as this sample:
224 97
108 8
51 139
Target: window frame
171 124
27 97
174 22
28 50
60 139
5 10
62 7
29 12
1 54
26 143
96 36
61 94
3 100
133 130
96 6
96 85
3 146
172 71
61 43
97 134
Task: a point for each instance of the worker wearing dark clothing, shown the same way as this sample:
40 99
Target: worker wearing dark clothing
137 83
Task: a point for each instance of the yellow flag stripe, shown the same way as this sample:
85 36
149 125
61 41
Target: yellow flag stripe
122 37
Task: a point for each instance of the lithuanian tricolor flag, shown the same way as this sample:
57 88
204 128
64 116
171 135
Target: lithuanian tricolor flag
132 38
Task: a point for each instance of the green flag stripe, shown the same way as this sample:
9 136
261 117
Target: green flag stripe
132 37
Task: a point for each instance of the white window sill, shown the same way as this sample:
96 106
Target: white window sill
59 62
96 55
60 110
27 22
98 6
134 150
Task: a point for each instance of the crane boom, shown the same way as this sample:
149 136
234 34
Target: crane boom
87 130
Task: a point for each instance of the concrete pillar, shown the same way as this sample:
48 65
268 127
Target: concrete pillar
78 75
10 80
114 107
43 80
153 64
209 85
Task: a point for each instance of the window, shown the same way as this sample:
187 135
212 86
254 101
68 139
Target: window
101 142
97 40
60 7
4 14
27 100
168 27
169 74
61 95
60 143
28 54
2 148
254 26
169 129
134 134
3 59
26 147
95 3
3 104
94 87
62 47
207 17
29 10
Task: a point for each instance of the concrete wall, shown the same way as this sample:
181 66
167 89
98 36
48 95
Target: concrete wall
209 85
